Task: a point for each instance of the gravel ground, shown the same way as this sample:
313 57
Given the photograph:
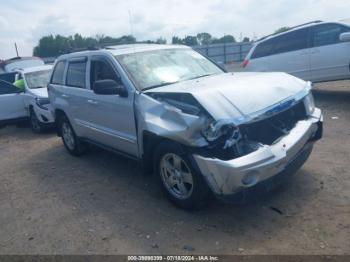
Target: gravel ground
53 203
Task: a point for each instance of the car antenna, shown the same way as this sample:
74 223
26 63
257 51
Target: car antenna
16 49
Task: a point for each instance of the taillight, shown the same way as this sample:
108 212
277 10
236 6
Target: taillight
244 63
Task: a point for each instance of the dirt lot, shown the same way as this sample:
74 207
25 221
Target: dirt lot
53 203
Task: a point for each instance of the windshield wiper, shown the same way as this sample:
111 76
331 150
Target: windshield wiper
169 83
196 77
159 85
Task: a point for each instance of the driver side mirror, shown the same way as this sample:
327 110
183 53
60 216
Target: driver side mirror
345 37
109 87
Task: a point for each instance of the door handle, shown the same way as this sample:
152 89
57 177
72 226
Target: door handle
64 96
92 102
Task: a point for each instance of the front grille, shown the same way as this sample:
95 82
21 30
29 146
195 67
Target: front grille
270 130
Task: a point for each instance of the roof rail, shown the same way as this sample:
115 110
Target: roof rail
290 28
74 50
92 48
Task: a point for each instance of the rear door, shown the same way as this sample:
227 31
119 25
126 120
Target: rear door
289 53
11 102
329 57
76 93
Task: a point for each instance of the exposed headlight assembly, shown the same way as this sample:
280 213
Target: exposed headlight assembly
309 103
42 102
223 131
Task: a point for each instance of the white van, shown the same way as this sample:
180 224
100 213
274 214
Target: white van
317 51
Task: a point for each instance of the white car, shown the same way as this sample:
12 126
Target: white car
32 104
316 51
13 64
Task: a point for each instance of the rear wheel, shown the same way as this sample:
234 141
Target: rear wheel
182 183
72 143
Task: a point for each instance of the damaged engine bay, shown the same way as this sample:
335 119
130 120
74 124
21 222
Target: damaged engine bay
180 117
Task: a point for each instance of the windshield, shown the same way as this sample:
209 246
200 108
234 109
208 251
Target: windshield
162 67
37 79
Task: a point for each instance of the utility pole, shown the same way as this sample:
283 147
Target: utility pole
16 50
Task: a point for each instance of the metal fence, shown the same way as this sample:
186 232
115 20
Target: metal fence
225 53
220 53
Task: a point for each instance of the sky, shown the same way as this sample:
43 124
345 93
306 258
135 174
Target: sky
26 21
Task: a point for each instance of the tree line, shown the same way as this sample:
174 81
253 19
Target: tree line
51 46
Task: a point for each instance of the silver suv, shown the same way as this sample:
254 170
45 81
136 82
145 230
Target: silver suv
200 129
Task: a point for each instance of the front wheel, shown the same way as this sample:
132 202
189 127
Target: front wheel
182 183
72 143
35 124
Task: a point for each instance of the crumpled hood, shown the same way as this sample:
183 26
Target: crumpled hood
40 92
240 95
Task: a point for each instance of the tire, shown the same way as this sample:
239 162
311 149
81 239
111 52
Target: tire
181 181
72 143
35 124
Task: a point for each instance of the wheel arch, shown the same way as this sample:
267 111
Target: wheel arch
150 141
59 113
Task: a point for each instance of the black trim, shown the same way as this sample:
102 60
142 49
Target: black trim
111 149
13 121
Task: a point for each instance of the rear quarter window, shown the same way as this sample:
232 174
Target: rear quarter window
264 49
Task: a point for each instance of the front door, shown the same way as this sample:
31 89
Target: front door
111 117
11 102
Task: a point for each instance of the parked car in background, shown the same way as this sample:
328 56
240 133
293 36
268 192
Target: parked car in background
316 51
201 130
13 64
32 103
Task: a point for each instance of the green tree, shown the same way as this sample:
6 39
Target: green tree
246 39
177 40
204 38
281 30
161 40
190 40
224 39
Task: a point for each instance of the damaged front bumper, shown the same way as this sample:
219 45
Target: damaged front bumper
229 177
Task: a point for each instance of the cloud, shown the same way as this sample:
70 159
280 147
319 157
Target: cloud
52 25
26 22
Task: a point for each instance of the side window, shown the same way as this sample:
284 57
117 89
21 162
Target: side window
76 74
264 49
8 77
8 88
102 70
327 34
293 41
57 76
